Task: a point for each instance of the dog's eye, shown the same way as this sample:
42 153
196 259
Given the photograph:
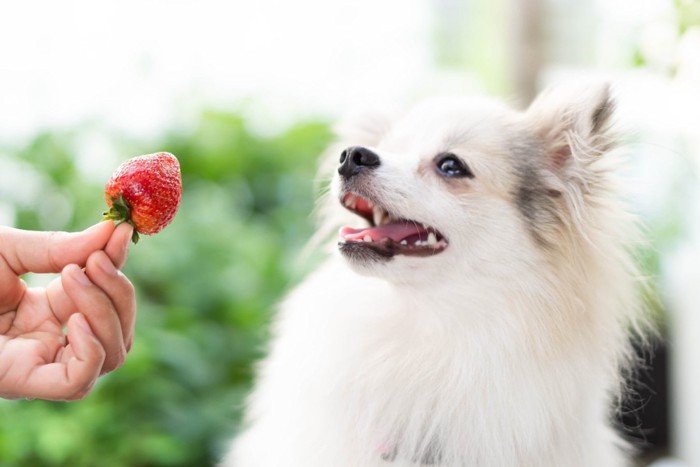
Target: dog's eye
451 166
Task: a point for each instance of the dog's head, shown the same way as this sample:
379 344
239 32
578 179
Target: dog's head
471 184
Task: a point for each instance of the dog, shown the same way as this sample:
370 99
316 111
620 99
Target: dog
479 308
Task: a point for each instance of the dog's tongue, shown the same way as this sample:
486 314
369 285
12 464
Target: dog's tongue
396 231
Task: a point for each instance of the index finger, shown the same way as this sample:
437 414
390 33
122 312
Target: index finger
27 251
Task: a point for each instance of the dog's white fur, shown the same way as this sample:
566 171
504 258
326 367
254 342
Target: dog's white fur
505 349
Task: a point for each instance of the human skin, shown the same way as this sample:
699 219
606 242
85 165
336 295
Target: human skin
91 299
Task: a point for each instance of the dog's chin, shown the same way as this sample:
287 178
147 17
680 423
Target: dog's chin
360 254
382 260
384 250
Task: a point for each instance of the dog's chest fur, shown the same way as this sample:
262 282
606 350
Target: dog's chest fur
403 376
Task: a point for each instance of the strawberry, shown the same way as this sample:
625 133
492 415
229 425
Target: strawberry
145 191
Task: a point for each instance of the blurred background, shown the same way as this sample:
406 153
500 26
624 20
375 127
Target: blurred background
245 94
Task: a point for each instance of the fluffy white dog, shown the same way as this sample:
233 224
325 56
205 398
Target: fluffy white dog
480 308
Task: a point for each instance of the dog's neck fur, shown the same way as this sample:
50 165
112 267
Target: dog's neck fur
504 342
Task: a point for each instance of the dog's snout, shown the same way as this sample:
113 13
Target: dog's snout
356 159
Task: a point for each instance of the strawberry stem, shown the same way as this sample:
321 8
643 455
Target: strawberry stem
119 212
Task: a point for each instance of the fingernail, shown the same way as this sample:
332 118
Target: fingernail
104 263
79 275
98 226
126 245
128 241
82 323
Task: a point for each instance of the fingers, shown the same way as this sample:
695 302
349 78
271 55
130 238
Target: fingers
99 310
118 246
74 377
27 251
117 249
100 333
97 305
118 289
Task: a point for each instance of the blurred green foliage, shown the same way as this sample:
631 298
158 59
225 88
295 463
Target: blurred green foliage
206 288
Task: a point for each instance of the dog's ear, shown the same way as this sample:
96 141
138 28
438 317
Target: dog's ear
573 123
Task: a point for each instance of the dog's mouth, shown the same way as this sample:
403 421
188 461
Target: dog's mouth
387 235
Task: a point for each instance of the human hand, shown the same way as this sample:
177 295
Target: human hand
97 305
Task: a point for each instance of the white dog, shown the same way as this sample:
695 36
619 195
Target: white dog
480 308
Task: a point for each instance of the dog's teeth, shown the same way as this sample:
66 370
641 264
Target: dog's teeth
350 201
379 215
432 239
404 242
367 238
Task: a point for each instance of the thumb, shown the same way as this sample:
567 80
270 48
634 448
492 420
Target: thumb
28 251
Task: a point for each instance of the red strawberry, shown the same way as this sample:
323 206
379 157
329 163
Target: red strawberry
145 191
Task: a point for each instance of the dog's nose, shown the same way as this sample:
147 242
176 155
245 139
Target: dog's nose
355 159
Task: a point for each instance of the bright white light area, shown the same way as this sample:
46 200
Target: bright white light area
138 64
